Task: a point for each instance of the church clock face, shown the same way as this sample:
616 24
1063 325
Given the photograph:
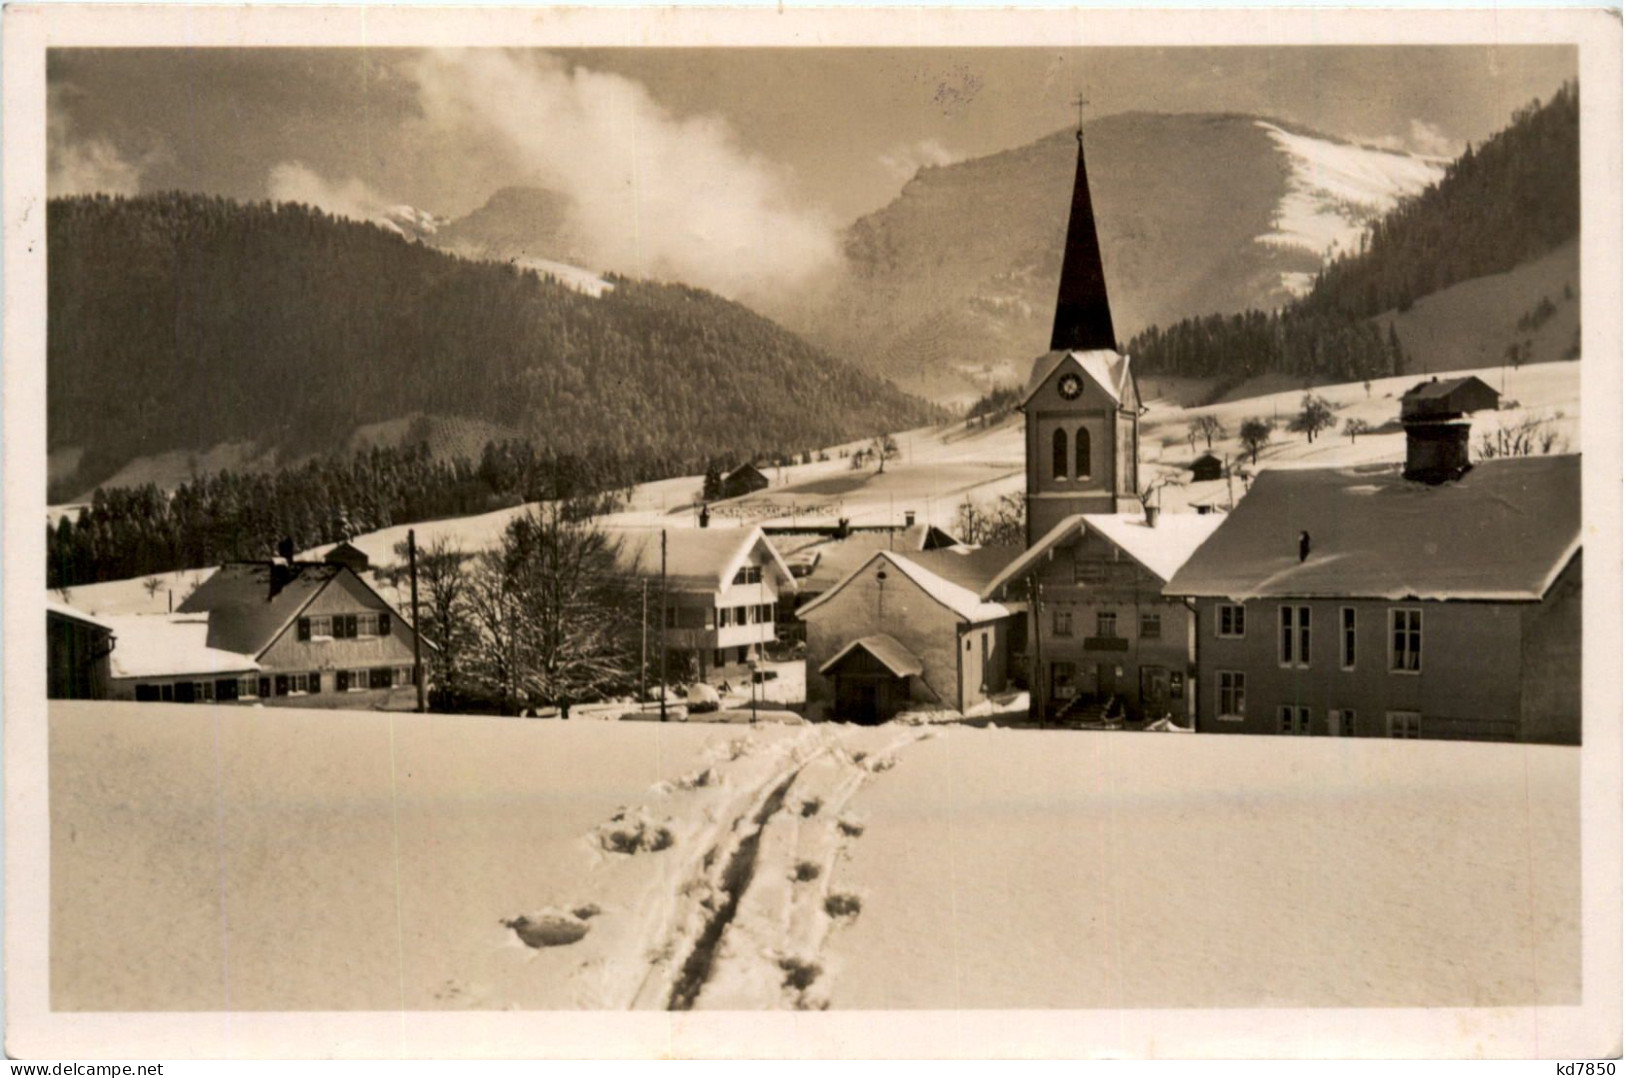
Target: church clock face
1070 386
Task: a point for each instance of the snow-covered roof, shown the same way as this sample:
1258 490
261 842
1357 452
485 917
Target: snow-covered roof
886 650
833 560
247 616
170 645
1110 369
1161 549
964 602
62 610
1503 531
697 559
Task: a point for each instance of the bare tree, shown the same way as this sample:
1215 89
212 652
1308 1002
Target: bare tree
1155 483
1208 427
882 449
1255 435
553 614
151 585
443 596
1003 523
1314 416
1355 426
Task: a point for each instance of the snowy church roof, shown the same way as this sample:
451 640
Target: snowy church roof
1161 549
959 599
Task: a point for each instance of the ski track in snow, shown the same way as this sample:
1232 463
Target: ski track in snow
734 913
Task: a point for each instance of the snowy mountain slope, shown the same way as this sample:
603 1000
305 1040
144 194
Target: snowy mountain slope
1336 189
950 288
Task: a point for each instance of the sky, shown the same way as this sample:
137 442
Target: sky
759 156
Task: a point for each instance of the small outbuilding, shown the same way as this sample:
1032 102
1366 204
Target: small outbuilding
78 647
1206 468
745 479
1448 399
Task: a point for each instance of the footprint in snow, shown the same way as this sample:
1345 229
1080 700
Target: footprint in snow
552 928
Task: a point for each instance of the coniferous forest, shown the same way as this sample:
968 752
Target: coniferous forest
1508 201
180 321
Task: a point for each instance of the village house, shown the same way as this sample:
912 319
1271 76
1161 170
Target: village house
78 650
1107 645
721 593
288 633
821 558
1450 397
1441 600
908 628
1206 468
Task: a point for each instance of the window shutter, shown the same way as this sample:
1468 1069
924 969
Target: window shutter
304 628
349 626
383 624
315 681
343 681
282 684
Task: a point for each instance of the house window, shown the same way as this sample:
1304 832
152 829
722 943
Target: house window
166 692
1063 623
1405 649
358 680
1232 694
316 627
1294 636
225 689
296 684
1294 720
1340 722
366 625
1106 623
750 574
1058 454
1150 626
147 693
1347 656
725 617
1232 620
1405 724
1082 454
248 688
202 690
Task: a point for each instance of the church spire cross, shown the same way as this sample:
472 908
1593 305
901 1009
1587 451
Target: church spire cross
1080 102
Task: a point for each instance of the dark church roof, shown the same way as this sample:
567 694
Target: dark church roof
1083 317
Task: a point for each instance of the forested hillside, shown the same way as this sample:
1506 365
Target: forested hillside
181 321
1509 201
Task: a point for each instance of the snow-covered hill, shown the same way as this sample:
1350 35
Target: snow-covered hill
406 863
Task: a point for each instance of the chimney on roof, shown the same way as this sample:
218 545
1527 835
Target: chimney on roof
908 518
1436 448
281 576
1303 546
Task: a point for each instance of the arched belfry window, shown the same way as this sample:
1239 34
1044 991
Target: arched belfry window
1058 459
1083 454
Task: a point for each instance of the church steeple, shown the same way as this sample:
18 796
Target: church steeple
1083 316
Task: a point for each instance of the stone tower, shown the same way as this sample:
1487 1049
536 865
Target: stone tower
1082 406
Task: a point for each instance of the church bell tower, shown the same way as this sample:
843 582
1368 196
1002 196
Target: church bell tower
1082 406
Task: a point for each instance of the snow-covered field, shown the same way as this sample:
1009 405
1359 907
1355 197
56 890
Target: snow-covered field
267 859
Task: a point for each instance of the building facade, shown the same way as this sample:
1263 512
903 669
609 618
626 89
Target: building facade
897 633
78 651
290 634
1367 602
1105 644
721 590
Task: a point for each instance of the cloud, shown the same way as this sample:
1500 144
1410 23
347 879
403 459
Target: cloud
904 160
292 181
1430 140
651 193
76 165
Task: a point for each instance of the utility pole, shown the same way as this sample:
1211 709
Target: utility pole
662 624
643 663
417 633
1035 686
